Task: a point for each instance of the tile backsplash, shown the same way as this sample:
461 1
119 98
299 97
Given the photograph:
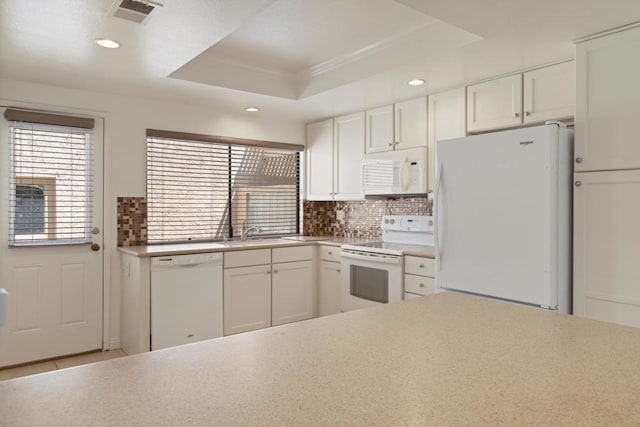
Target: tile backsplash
359 218
132 221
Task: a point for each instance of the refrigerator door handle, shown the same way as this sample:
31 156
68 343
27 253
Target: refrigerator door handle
436 210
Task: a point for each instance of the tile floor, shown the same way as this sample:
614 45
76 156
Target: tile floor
66 362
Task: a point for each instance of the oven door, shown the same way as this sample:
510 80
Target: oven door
369 279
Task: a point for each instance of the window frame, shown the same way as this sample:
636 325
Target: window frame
228 225
65 126
50 213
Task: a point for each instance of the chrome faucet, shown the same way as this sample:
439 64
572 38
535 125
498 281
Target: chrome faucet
244 232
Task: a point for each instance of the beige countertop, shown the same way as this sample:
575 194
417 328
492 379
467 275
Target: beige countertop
445 359
236 245
424 251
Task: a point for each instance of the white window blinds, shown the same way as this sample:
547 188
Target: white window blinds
206 190
50 184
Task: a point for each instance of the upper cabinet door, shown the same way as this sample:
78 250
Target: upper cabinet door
379 130
550 93
410 123
447 119
607 107
319 151
349 152
495 104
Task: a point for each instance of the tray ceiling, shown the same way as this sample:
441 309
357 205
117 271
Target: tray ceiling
298 48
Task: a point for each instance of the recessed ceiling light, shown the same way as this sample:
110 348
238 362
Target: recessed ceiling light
109 44
415 82
252 109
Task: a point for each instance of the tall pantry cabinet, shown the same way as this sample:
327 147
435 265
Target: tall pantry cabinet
607 179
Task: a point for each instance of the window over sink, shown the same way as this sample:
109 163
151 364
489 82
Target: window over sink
202 187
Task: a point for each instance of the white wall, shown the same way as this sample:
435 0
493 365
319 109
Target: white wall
126 120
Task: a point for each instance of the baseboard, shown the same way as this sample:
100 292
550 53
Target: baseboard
114 344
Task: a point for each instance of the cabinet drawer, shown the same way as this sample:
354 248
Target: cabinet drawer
407 295
247 258
419 285
294 253
420 266
330 253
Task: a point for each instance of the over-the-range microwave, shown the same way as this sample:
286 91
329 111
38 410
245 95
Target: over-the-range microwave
400 172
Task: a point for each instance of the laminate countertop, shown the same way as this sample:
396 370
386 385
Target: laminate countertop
444 359
169 249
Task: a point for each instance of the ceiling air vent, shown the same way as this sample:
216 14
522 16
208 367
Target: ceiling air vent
133 10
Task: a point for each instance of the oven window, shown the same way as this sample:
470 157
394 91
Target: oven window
370 283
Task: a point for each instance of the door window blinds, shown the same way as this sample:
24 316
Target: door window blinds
50 183
206 189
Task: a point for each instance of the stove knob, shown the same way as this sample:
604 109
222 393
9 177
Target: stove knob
392 221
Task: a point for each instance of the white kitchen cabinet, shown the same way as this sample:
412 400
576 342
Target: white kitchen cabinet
606 271
269 294
607 108
329 287
135 303
549 93
329 281
419 278
348 155
247 298
292 292
535 96
397 127
319 160
606 207
495 104
447 114
379 131
334 153
410 123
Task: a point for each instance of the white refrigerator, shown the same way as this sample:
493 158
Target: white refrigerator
502 211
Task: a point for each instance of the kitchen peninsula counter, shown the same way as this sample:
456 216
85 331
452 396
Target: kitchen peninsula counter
445 359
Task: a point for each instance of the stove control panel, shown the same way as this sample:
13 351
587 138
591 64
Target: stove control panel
416 223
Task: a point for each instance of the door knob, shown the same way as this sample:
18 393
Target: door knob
95 247
578 159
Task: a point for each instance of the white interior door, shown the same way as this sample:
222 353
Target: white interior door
55 287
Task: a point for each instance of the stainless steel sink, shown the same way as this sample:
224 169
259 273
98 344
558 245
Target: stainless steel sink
254 242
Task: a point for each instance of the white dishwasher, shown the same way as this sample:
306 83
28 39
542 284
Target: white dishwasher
186 299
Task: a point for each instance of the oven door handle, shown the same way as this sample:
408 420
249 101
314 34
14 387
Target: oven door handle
386 260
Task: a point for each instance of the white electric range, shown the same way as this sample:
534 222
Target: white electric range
372 273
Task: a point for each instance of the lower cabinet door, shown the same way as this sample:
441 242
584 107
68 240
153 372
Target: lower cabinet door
292 292
329 288
247 299
606 244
